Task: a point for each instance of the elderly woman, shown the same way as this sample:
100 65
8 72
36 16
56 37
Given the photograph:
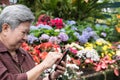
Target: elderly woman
15 63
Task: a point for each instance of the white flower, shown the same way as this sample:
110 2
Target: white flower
77 46
88 53
57 30
73 66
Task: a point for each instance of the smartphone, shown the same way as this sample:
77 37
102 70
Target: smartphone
64 57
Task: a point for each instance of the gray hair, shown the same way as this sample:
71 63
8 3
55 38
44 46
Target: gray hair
15 14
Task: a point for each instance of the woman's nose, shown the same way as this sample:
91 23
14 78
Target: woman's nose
25 37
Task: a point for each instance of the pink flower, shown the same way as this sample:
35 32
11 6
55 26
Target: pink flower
88 61
104 66
74 51
116 71
98 68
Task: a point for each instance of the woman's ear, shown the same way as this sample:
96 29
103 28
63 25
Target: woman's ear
5 27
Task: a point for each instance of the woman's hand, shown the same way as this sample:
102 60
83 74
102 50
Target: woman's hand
51 59
59 71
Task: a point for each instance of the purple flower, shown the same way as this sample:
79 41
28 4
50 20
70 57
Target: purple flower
94 35
32 38
54 39
71 22
86 34
74 28
76 34
33 28
63 36
88 29
44 37
103 34
82 39
44 26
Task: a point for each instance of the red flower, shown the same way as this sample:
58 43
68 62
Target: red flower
36 59
43 19
57 22
45 46
25 46
39 52
43 55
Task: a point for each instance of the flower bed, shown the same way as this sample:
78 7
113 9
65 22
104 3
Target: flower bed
89 53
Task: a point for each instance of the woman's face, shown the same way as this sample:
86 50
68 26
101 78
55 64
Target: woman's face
17 36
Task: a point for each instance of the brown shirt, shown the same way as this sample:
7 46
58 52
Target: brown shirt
10 69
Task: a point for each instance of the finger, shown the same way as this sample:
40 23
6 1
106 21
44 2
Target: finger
55 55
60 72
63 63
61 68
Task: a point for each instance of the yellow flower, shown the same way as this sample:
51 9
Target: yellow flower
102 54
88 48
110 54
106 52
98 43
105 47
109 44
88 45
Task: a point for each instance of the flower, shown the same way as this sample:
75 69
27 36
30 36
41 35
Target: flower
82 39
77 34
71 22
87 49
43 19
33 28
57 22
103 34
88 54
54 40
86 34
32 39
63 36
44 37
74 51
44 26
43 55
118 46
88 29
103 63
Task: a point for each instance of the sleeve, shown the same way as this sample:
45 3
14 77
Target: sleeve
5 75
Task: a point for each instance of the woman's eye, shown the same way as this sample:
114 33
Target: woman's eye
23 32
28 33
